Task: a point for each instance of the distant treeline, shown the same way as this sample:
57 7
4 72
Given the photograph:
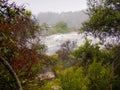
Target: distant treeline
73 19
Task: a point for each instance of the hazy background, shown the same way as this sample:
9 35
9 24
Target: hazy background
58 6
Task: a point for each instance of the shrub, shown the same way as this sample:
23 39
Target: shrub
74 79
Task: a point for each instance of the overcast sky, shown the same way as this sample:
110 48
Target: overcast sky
37 6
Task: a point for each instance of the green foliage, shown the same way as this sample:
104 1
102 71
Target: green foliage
93 71
65 53
28 13
60 27
74 79
104 19
53 85
95 77
6 81
99 76
104 23
115 60
87 53
39 48
16 27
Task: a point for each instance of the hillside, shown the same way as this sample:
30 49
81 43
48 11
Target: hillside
73 19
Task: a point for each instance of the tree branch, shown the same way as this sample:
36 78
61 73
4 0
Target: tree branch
12 72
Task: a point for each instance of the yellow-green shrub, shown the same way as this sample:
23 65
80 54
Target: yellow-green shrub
74 79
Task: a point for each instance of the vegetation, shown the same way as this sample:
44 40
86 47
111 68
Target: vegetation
104 23
74 79
73 19
16 59
60 27
25 66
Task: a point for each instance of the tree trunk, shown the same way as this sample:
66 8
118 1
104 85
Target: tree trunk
12 72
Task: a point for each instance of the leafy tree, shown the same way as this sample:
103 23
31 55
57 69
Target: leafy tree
65 53
8 13
60 27
104 19
104 23
66 49
88 52
16 27
39 48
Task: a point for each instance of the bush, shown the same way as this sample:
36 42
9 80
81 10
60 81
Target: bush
99 76
74 79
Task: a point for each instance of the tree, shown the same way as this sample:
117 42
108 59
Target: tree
60 27
66 49
88 52
104 20
16 27
65 53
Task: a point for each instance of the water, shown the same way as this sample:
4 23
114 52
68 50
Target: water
54 42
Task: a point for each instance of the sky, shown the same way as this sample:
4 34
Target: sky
36 6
